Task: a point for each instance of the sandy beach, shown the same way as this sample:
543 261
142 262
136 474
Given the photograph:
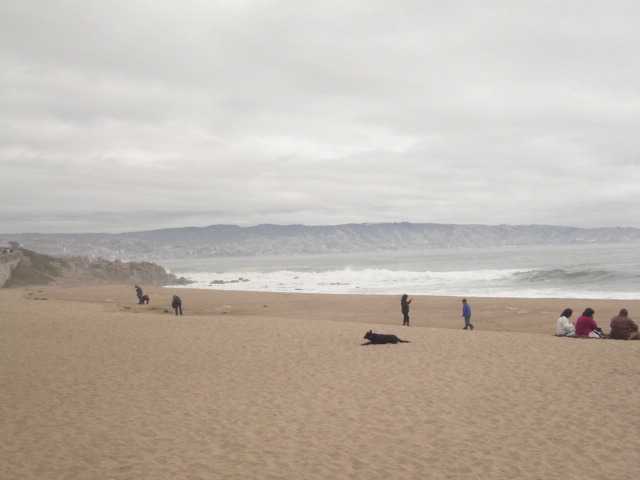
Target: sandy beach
249 385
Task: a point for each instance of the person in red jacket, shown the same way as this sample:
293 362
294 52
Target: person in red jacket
585 323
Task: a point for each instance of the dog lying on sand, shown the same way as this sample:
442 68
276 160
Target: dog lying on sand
380 338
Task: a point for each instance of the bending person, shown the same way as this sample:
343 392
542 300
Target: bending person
176 304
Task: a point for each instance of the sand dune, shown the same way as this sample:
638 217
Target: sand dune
277 386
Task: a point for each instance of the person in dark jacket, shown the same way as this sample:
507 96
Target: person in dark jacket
404 307
623 328
176 304
139 295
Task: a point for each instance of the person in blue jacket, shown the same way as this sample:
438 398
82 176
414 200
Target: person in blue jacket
466 313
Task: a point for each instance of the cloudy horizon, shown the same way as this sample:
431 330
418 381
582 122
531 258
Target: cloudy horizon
131 115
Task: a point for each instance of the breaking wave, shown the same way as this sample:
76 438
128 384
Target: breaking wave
587 271
531 283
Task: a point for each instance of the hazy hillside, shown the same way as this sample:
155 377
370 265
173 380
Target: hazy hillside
38 269
217 240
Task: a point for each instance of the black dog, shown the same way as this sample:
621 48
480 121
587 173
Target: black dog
379 338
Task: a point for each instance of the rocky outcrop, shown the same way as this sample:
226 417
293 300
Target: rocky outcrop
38 269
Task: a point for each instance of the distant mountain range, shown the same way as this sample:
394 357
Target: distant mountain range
226 240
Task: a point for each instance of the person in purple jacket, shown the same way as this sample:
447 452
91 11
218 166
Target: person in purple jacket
466 313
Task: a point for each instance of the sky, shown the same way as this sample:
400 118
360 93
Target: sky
131 115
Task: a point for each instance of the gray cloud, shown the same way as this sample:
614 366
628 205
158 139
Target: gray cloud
120 116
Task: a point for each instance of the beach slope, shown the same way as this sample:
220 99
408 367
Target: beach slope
278 386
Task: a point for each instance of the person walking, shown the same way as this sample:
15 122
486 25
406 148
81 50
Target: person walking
404 307
466 313
176 304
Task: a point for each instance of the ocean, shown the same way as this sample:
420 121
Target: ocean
610 271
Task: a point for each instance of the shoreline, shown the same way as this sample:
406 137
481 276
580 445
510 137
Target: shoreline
622 296
523 315
430 292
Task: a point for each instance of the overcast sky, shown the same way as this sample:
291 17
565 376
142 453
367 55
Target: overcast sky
135 115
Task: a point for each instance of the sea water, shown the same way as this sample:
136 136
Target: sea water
567 271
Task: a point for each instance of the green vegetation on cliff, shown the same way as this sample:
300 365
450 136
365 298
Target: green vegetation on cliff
38 269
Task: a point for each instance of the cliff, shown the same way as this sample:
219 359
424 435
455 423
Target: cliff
38 269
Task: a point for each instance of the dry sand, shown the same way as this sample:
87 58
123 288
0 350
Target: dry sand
277 386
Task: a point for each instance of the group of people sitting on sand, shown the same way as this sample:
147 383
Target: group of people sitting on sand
622 327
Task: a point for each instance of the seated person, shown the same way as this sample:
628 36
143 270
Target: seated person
623 328
564 326
586 326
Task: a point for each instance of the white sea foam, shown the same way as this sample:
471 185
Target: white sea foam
561 272
478 283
